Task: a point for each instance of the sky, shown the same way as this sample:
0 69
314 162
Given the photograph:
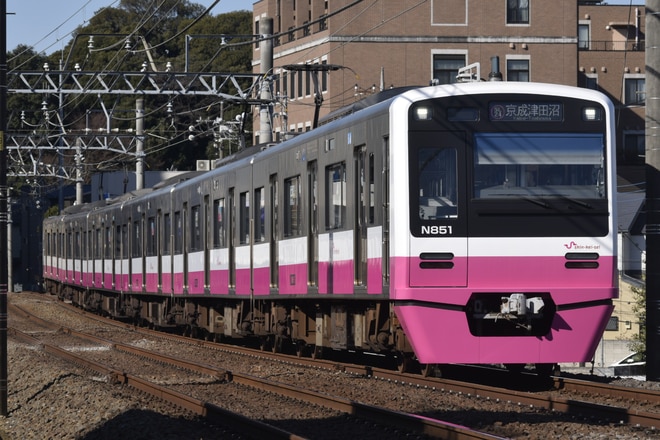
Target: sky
47 25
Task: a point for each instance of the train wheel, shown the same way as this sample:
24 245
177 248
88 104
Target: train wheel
427 370
548 369
404 362
300 348
277 344
263 343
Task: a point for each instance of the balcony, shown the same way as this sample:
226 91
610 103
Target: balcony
612 46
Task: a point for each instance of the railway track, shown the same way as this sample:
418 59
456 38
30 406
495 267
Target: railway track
575 398
380 418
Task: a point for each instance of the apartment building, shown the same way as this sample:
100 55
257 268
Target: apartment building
358 48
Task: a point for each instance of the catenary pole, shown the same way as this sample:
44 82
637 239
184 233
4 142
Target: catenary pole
652 124
3 209
265 110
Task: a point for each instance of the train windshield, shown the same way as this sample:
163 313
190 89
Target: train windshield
539 165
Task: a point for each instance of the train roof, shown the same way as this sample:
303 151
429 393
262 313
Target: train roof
364 103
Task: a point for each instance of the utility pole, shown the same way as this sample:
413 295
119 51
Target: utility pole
139 144
3 209
652 190
265 110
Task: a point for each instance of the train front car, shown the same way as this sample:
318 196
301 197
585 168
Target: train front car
506 253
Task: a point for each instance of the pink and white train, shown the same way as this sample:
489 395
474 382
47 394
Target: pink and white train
465 223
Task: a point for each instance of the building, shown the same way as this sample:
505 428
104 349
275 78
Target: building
354 49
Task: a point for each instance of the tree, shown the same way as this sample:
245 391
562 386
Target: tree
161 34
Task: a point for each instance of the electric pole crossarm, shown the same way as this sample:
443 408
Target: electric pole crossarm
122 143
225 85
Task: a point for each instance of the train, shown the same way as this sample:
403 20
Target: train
446 224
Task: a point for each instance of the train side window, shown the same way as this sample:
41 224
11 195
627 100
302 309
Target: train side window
259 215
219 223
372 193
335 187
108 243
167 225
196 230
178 233
124 241
292 214
151 237
98 245
244 218
136 246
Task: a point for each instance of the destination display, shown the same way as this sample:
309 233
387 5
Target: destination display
526 111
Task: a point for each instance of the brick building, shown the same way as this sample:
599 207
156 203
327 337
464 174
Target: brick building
377 45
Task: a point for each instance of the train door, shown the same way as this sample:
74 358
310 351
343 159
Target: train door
361 209
184 236
116 259
438 247
206 245
167 272
232 245
143 251
124 257
385 179
159 250
274 261
132 254
313 232
77 251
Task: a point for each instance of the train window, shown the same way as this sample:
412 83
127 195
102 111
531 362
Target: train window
437 177
167 225
178 233
372 193
219 223
335 184
107 244
151 237
136 245
98 245
78 246
196 230
69 240
539 165
259 215
124 241
244 218
292 213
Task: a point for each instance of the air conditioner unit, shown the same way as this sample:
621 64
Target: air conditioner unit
203 165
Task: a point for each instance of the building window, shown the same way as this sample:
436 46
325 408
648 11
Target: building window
292 88
517 11
634 148
517 70
324 77
583 36
613 324
588 81
445 67
635 91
